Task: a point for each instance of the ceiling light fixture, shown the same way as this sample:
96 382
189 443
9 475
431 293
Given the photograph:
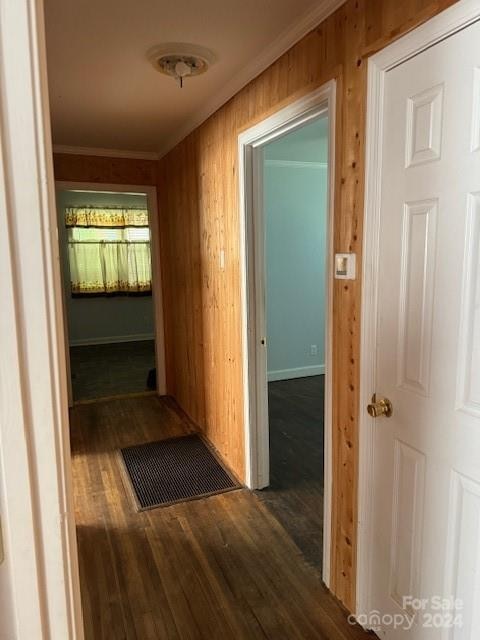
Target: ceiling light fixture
180 60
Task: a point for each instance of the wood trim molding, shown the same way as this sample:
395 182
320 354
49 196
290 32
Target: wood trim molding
105 153
445 24
285 41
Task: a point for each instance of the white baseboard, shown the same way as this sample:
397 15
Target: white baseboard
297 372
83 342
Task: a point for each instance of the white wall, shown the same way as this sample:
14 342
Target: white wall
102 319
295 200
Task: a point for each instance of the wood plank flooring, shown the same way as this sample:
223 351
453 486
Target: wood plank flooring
220 567
295 494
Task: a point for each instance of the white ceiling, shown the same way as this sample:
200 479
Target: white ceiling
104 92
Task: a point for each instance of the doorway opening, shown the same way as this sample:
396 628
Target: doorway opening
286 201
295 185
112 302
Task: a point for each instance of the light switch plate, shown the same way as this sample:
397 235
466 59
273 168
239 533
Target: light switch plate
345 266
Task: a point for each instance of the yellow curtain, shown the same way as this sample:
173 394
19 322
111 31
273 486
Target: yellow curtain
109 260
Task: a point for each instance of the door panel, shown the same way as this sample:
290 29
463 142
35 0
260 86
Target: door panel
407 506
469 361
463 553
427 455
416 295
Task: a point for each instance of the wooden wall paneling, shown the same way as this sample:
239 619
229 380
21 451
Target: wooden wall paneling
346 311
198 382
81 168
386 21
182 285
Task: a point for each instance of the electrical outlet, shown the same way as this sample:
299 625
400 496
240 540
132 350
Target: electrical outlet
313 350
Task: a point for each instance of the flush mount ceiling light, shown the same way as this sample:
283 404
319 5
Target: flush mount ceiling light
180 60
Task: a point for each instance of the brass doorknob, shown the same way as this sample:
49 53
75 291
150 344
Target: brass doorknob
380 407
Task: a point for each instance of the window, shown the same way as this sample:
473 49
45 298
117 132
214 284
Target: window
108 250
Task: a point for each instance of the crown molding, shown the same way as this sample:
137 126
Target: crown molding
106 153
295 164
285 41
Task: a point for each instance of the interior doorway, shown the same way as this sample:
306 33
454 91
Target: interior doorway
286 199
111 297
295 202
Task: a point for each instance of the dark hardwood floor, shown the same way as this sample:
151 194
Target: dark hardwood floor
220 567
103 370
295 494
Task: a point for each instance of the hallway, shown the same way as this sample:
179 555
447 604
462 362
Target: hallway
221 567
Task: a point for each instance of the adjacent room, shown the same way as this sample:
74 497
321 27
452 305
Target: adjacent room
107 276
295 193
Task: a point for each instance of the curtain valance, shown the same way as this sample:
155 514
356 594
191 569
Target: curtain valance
107 217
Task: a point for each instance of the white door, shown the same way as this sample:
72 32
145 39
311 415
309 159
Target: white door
427 454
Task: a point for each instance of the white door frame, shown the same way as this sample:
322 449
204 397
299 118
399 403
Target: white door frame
250 157
40 570
457 17
151 194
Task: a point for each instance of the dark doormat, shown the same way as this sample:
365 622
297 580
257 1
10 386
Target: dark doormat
174 470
